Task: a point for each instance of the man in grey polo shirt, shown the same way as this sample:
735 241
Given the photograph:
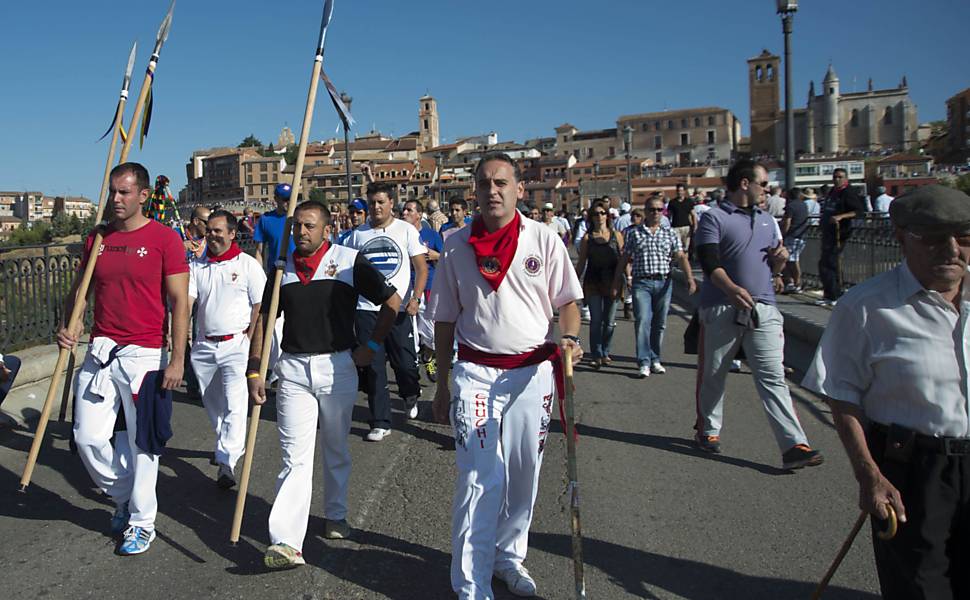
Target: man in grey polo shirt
740 250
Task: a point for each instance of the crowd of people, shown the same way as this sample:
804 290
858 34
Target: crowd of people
469 294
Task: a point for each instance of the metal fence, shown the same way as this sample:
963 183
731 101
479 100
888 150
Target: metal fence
33 283
871 249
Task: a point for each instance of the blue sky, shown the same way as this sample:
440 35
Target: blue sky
234 67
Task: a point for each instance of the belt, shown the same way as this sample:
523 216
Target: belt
220 338
655 276
950 446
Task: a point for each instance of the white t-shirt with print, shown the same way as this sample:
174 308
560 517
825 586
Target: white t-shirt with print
390 250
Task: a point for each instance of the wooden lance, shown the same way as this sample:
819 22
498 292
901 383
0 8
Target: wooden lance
270 320
571 473
83 286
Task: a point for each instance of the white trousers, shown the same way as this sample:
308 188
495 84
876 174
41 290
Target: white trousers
312 386
425 328
500 419
220 368
275 351
123 471
764 348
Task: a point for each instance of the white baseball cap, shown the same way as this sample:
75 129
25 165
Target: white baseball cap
625 207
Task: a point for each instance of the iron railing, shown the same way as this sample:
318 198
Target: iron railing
870 250
33 283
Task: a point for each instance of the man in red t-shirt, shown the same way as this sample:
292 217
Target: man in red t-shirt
140 265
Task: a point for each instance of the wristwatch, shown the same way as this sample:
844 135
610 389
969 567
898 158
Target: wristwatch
573 338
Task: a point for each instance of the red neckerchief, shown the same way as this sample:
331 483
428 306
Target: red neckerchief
306 266
494 251
229 254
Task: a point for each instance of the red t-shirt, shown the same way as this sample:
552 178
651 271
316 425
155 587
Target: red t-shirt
129 291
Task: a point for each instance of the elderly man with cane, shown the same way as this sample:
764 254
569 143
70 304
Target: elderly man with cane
893 365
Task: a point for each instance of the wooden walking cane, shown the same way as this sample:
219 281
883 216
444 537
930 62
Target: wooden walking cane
82 291
888 534
571 468
278 275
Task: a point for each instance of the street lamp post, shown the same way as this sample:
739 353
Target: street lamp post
346 99
787 9
596 179
437 162
628 147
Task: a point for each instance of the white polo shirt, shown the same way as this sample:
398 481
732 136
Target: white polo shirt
517 317
226 292
390 249
900 352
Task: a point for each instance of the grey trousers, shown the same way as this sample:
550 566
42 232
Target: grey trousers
764 348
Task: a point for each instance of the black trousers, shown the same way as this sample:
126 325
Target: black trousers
398 347
828 269
929 559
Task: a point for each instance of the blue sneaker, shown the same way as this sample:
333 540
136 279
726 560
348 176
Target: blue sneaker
137 540
119 520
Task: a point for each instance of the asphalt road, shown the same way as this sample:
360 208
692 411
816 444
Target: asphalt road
660 519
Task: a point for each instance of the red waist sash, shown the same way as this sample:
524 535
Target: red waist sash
547 351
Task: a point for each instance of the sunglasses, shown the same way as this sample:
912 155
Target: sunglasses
597 212
935 240
655 210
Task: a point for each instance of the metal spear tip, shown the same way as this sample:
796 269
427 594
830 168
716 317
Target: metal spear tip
166 25
327 13
131 64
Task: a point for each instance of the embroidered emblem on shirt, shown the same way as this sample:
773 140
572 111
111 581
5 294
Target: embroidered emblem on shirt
331 269
100 249
532 265
489 264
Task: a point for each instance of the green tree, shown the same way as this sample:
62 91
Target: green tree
61 225
291 151
250 141
318 195
962 183
39 233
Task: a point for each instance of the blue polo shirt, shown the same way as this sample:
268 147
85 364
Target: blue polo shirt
269 231
432 241
743 240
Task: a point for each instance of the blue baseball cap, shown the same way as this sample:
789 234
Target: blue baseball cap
358 204
283 190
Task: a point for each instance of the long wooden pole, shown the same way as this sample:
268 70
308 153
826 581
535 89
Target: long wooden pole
278 277
92 259
859 522
571 472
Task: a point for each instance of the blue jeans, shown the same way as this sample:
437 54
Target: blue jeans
602 312
651 300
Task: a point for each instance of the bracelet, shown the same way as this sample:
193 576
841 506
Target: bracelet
252 375
373 345
573 338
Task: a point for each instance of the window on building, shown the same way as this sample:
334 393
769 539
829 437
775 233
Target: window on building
758 74
854 121
659 157
684 139
887 117
771 72
697 121
643 127
831 91
427 107
262 166
683 123
710 120
263 190
656 125
612 150
710 136
589 152
587 171
263 179
658 142
856 169
249 179
670 124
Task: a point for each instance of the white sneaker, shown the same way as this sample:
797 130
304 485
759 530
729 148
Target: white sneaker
657 368
644 371
518 580
413 413
735 366
377 434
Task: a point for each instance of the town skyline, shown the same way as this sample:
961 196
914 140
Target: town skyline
609 63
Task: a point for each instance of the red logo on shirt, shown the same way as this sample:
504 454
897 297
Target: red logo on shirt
489 264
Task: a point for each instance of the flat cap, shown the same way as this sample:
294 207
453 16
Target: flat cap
931 206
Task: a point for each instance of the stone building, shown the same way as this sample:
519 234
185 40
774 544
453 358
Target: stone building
428 123
683 137
832 122
958 127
